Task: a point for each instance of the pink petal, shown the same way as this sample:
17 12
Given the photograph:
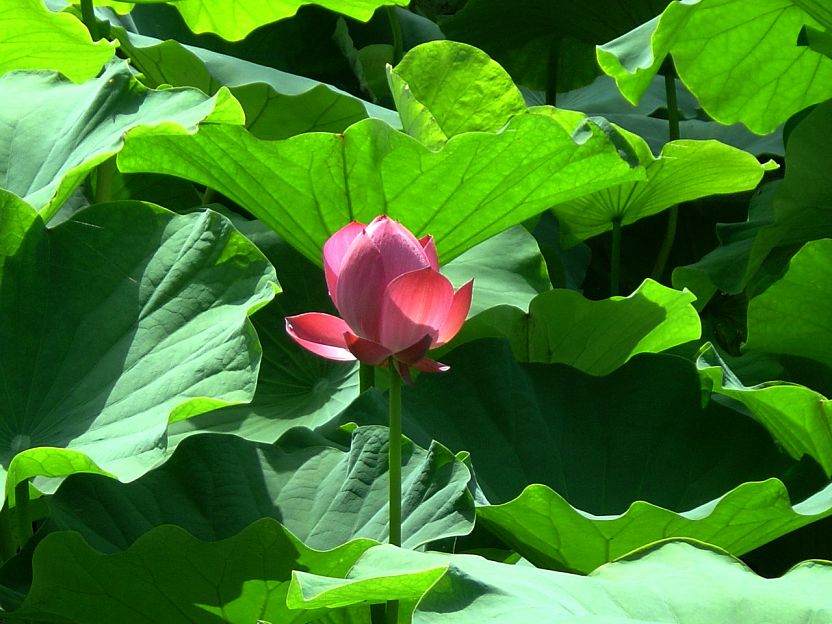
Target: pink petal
456 315
400 250
429 245
367 351
414 352
427 365
361 285
335 249
322 334
414 304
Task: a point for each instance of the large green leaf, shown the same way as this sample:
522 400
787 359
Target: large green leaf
276 104
799 418
68 129
786 213
685 170
444 88
169 576
792 315
33 37
545 529
617 461
215 486
544 41
234 19
739 58
689 583
596 337
113 322
308 186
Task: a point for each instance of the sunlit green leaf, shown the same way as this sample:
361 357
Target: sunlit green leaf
68 129
307 187
234 19
689 583
33 37
797 417
169 576
214 486
739 59
113 322
792 315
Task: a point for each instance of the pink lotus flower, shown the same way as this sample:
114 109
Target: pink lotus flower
394 302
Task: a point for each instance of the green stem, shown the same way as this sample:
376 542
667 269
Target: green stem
21 511
396 30
7 543
394 470
615 257
366 377
552 75
104 180
395 455
208 196
88 17
673 134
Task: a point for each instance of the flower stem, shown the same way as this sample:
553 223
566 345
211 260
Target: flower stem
673 134
88 16
394 471
21 511
366 377
396 30
615 257
395 456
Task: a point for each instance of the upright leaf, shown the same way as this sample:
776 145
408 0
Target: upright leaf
740 59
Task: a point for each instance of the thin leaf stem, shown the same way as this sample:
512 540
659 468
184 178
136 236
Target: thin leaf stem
394 470
396 30
21 511
7 543
552 75
615 257
88 17
208 196
104 180
366 377
673 134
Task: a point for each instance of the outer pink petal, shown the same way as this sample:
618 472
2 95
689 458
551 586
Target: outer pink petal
322 334
400 250
456 315
429 245
367 351
427 365
335 249
361 286
414 352
414 305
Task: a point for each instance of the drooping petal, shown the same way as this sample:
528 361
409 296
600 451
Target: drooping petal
456 315
429 245
400 250
335 249
366 351
361 286
427 365
414 305
322 334
414 352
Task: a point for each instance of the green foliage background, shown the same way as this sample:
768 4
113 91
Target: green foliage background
640 191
